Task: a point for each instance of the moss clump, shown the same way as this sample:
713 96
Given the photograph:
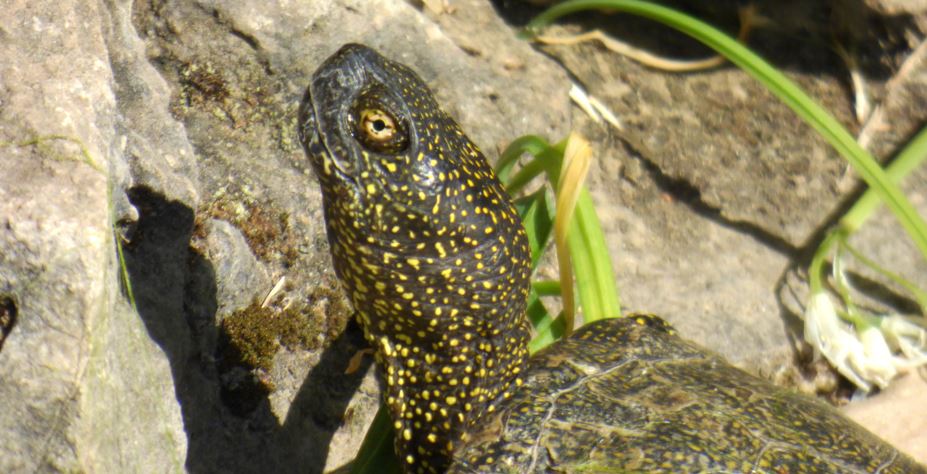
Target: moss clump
266 228
250 338
248 341
254 334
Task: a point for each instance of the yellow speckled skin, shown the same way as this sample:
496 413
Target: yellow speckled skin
436 263
427 244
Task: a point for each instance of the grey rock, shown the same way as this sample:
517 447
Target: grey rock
898 118
153 145
78 370
899 115
240 279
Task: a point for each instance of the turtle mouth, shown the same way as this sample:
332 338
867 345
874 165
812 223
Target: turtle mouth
320 142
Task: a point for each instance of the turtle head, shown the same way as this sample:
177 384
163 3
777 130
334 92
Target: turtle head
376 138
412 206
427 244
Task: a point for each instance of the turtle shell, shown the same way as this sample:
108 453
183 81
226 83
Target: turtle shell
629 395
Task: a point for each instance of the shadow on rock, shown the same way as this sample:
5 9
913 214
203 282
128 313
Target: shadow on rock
230 429
321 405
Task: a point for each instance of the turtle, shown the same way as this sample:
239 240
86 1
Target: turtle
436 263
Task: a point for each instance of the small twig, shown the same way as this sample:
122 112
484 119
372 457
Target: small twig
749 19
594 108
273 292
861 105
355 362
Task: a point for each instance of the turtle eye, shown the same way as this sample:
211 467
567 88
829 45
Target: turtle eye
378 130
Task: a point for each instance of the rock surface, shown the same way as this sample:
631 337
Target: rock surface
168 126
78 370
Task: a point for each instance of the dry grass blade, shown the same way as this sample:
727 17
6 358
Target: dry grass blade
749 19
576 160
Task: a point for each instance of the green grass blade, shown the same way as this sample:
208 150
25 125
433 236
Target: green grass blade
537 217
906 161
547 161
376 453
919 295
595 280
530 144
592 265
548 329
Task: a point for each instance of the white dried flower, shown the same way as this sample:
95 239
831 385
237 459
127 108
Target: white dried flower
867 356
878 364
830 337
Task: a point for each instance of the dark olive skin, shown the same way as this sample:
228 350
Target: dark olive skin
436 263
429 248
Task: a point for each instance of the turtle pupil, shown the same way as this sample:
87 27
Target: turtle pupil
379 125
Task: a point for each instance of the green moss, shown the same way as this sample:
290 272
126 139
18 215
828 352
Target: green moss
266 228
251 337
256 333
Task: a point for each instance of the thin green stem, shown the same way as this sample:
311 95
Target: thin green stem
906 161
546 287
595 280
530 144
816 269
917 293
